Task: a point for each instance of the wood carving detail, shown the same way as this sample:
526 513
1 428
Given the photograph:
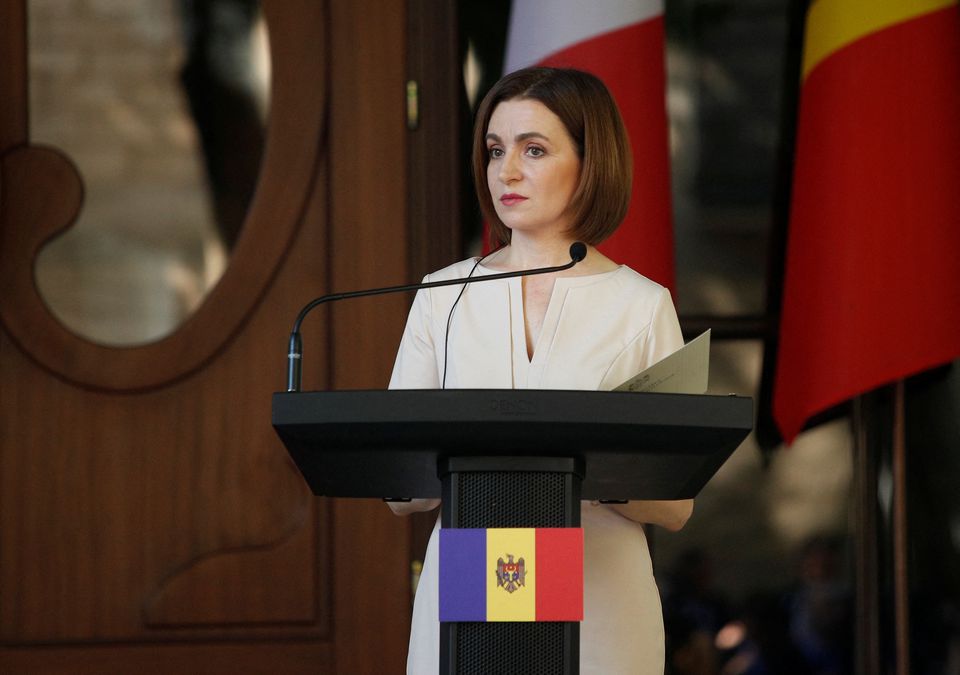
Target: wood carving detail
39 193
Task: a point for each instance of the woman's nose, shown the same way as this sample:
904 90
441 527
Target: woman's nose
509 170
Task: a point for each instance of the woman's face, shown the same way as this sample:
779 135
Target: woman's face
533 167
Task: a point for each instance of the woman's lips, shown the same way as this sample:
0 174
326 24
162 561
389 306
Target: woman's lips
512 199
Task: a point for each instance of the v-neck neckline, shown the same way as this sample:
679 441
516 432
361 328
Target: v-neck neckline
526 368
547 320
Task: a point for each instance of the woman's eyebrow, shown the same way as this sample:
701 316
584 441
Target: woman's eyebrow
520 137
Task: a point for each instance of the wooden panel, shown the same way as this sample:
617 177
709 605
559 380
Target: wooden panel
434 177
434 146
108 499
368 188
13 74
207 659
149 518
368 248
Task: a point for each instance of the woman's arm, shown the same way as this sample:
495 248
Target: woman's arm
413 506
672 515
416 363
663 337
416 368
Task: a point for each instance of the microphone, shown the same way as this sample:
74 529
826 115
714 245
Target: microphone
578 251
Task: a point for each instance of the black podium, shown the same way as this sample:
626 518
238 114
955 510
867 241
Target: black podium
509 458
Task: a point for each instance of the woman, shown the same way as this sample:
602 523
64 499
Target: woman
552 165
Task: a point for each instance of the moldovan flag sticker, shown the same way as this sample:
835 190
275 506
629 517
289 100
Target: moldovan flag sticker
622 43
515 574
872 286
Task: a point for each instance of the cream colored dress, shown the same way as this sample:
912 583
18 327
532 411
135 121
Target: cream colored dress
598 331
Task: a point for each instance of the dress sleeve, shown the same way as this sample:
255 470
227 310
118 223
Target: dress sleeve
659 338
416 364
664 336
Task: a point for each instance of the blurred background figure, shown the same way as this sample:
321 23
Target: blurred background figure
807 629
694 613
690 593
819 609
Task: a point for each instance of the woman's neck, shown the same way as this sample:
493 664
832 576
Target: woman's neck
525 253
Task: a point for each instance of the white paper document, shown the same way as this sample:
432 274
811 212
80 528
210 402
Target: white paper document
684 372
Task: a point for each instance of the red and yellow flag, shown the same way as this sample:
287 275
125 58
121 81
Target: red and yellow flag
872 285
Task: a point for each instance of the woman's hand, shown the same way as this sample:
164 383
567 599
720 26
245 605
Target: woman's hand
671 515
413 506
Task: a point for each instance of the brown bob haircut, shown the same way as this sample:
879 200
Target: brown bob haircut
589 113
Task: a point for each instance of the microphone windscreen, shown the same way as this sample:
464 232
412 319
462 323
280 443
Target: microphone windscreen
578 251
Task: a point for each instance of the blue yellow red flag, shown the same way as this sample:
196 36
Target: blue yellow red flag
511 574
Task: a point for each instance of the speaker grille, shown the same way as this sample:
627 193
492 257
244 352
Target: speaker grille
510 648
514 499
511 499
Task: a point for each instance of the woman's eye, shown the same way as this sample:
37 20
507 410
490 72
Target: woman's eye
495 153
536 151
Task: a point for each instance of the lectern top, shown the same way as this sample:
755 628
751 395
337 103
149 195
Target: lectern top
389 443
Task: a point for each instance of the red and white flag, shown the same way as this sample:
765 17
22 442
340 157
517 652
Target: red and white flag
622 43
872 286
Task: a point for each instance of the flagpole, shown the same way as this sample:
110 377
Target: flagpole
867 598
901 578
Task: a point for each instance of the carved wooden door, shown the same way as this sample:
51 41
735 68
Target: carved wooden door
150 521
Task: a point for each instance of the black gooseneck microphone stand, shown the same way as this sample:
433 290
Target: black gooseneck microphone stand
578 251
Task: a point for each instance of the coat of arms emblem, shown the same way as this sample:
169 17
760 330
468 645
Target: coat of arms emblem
510 575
